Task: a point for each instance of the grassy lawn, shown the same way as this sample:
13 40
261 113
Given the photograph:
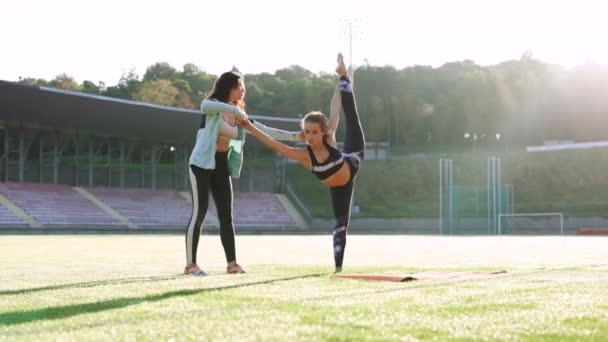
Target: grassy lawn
129 288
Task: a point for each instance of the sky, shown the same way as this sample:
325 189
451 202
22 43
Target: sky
101 40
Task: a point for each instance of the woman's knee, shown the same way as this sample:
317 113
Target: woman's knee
225 222
341 225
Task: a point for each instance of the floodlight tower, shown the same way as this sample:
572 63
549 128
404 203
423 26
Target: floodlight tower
351 29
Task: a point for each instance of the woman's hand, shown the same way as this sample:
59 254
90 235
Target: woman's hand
242 114
245 123
341 68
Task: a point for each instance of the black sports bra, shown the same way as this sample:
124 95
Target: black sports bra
330 166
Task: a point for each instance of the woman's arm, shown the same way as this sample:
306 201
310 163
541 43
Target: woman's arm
335 107
293 153
334 117
278 134
209 106
334 112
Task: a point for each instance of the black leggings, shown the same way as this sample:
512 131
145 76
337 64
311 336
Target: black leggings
354 146
218 182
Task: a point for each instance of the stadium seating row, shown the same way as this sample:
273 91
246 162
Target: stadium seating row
57 205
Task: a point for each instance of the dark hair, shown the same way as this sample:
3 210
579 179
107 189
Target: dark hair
222 86
318 118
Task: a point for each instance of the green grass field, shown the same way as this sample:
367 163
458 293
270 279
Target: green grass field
129 287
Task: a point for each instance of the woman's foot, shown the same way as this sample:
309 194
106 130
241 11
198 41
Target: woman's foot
341 68
235 269
195 270
338 270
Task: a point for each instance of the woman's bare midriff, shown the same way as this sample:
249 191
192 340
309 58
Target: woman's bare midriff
226 132
223 144
340 178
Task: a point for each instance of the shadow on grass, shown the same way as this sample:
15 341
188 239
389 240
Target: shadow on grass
59 312
88 284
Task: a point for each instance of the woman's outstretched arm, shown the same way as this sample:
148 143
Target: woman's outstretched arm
334 112
293 153
277 133
209 106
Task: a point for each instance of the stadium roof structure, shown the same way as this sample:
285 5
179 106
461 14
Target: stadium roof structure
49 108
23 105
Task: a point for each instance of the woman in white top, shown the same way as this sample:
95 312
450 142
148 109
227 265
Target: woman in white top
213 161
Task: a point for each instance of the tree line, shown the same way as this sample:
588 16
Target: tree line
455 106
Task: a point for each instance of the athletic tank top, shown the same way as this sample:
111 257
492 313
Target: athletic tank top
333 163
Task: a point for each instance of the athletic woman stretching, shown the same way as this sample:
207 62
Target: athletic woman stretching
334 168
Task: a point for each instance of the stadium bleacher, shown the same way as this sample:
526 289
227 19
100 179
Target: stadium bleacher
146 207
57 205
7 218
260 208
